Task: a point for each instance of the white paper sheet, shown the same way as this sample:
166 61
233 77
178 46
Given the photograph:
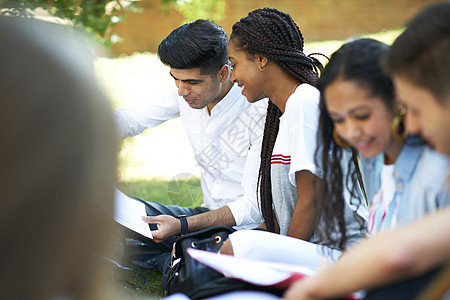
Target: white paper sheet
254 271
129 212
258 272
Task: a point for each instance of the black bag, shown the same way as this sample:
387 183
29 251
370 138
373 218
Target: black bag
186 275
223 285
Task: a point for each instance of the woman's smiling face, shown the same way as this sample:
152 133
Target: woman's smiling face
362 120
245 73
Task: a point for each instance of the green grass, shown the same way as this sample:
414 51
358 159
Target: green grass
182 191
152 288
159 164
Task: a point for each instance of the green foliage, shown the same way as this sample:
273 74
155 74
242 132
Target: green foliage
198 9
97 17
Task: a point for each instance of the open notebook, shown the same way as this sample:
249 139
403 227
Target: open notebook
258 272
129 212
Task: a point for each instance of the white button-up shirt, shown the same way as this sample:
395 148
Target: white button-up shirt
226 143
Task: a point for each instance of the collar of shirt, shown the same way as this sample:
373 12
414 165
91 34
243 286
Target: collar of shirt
408 159
227 102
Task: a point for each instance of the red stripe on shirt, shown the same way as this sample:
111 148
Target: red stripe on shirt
280 159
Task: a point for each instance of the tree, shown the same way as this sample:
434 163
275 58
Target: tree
96 17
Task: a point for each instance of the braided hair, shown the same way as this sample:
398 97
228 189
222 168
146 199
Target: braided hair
273 34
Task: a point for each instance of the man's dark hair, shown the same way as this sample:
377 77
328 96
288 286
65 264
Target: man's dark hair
199 44
421 53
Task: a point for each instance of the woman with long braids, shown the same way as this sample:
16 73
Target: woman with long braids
266 53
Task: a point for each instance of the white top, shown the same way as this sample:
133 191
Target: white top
294 150
383 209
227 146
299 125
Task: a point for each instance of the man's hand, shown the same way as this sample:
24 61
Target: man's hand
168 226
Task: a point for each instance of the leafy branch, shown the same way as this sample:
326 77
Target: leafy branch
96 17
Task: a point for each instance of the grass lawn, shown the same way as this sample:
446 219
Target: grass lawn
159 164
152 288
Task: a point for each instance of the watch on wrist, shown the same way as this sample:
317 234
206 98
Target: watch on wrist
184 224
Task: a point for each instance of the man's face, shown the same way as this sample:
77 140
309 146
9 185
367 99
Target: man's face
198 90
425 114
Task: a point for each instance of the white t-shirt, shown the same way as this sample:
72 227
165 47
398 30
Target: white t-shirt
227 145
383 209
294 150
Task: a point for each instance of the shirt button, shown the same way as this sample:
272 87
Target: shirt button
399 186
395 174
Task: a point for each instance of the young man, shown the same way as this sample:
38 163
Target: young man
225 132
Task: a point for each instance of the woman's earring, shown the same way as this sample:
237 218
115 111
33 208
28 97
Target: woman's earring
261 68
339 141
398 125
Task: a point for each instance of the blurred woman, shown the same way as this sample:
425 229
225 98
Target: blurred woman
58 166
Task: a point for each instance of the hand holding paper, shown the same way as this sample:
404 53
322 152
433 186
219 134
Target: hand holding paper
167 226
129 213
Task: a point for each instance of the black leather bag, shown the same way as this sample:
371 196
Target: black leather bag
186 275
